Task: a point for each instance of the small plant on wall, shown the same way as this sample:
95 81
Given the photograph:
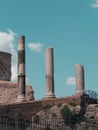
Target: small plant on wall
36 119
47 106
54 114
66 114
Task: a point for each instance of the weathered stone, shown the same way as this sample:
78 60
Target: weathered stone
9 92
21 69
92 113
49 73
79 79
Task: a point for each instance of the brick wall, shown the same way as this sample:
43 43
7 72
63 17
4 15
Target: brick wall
29 109
5 66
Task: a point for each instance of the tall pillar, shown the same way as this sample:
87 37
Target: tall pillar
21 69
49 73
80 88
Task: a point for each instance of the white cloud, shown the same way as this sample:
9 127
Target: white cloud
95 4
27 80
14 72
7 45
37 47
70 81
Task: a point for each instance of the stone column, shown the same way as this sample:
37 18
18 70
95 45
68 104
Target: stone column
79 79
21 69
49 73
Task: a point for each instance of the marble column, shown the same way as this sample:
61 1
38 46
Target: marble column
49 73
80 88
21 69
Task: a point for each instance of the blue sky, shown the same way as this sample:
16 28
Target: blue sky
69 26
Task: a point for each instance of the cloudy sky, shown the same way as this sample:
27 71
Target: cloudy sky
69 26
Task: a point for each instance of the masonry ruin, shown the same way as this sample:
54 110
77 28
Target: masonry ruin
5 66
14 92
5 73
18 97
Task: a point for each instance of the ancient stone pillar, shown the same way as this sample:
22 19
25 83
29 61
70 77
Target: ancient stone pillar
49 73
21 69
79 79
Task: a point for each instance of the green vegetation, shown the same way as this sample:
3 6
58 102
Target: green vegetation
54 114
66 114
36 119
47 106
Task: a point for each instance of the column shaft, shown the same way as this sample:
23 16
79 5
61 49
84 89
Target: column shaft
21 68
79 79
49 73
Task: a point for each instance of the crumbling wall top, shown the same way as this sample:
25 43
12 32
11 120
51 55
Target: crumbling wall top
5 66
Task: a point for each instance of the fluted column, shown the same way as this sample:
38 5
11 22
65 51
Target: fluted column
80 88
21 69
49 73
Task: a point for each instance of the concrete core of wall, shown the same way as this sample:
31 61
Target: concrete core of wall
5 66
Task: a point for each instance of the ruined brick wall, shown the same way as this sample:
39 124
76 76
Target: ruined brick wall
30 108
5 66
9 92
